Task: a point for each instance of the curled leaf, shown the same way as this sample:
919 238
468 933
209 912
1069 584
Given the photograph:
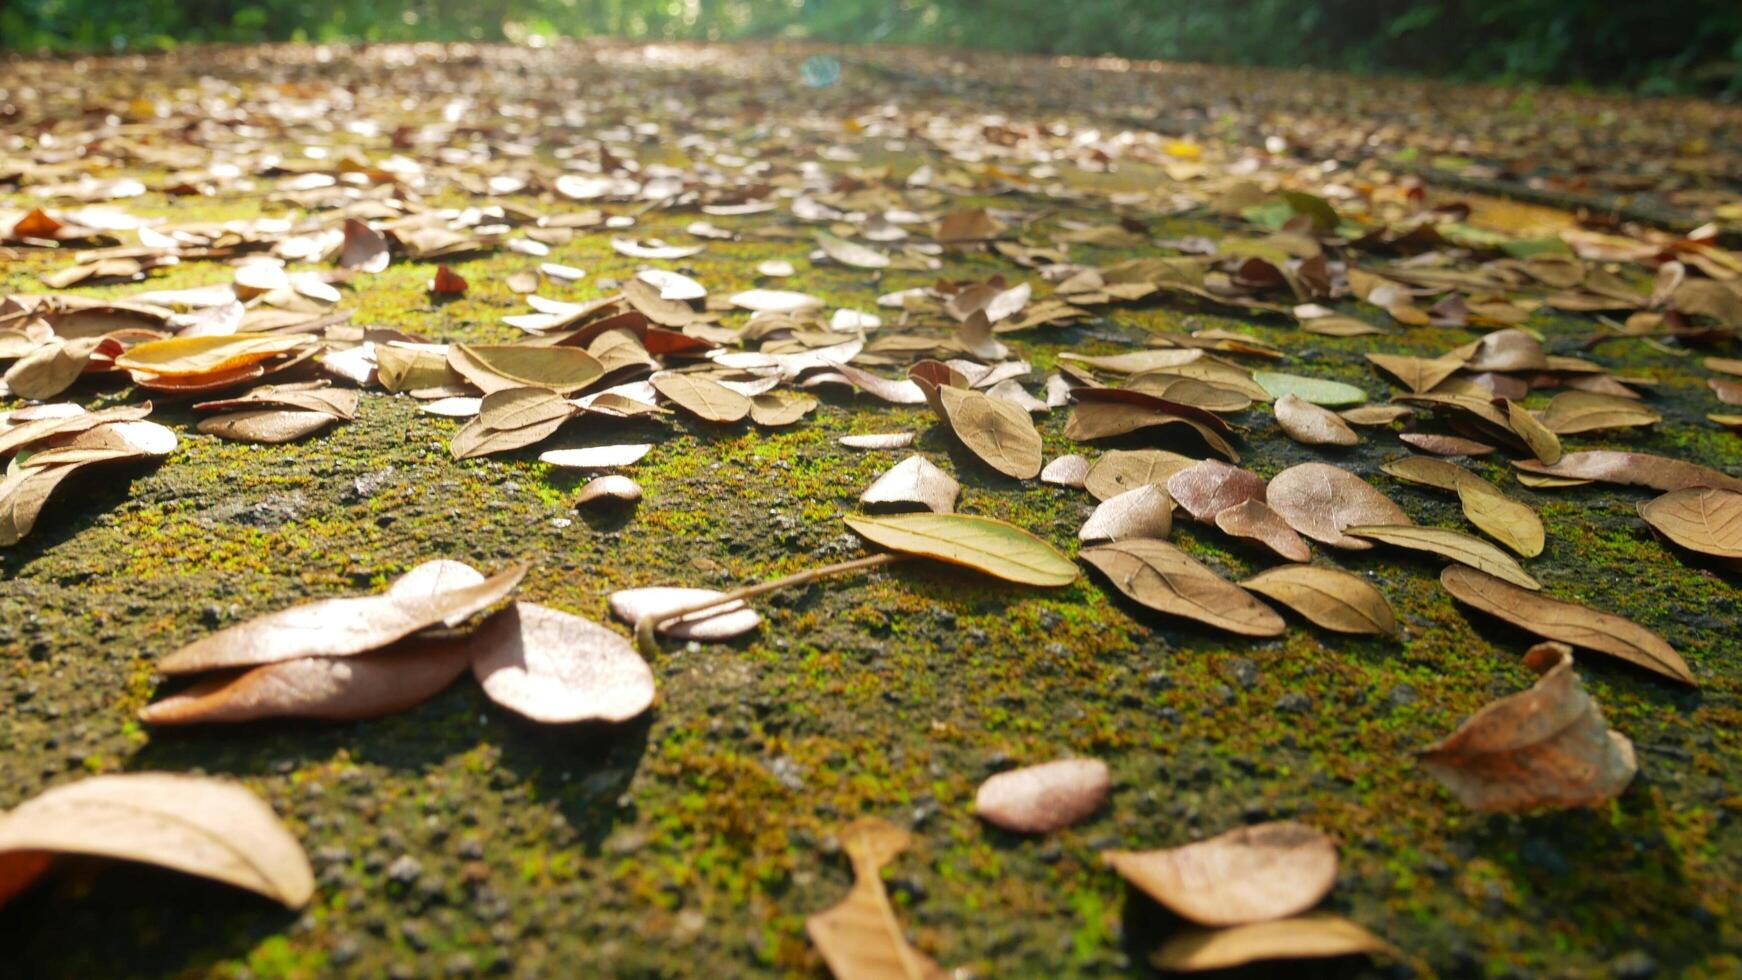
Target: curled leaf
1544 747
721 622
914 482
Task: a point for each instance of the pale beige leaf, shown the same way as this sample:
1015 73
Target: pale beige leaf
999 433
1251 874
722 622
558 668
1321 501
859 938
1699 519
914 483
1043 798
1329 597
1313 936
702 397
1507 521
1144 512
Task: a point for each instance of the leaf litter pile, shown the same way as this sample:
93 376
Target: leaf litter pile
907 527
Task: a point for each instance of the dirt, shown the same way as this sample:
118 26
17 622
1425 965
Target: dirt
456 840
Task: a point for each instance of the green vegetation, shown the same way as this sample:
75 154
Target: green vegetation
1695 46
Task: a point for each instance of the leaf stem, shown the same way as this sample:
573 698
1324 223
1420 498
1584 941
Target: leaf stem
646 626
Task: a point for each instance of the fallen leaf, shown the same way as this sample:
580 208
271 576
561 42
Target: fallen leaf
776 409
1321 501
775 301
337 627
211 828
851 253
1143 512
1329 597
51 368
611 487
999 433
1545 747
723 622
889 440
1254 520
1119 470
1572 412
1315 390
707 400
185 357
1633 469
269 425
333 689
1441 444
1700 519
1162 577
1557 619
1251 874
557 668
1507 521
499 367
859 938
1043 798
597 457
1315 936
1541 441
1456 545
447 282
1065 471
1310 425
1418 374
1209 487
914 482
1001 550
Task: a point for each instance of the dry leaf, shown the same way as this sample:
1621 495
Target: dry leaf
723 622
1329 597
1162 577
447 282
500 367
1321 501
859 938
1120 470
890 440
189 357
707 400
1065 471
1700 519
914 482
1313 936
1456 545
779 408
1545 747
597 457
1634 469
1145 512
1044 798
1254 520
1441 444
268 425
611 487
1507 521
1541 441
1207 488
334 689
1556 619
1251 874
1572 412
1001 550
207 827
999 433
1311 425
558 668
51 368
338 627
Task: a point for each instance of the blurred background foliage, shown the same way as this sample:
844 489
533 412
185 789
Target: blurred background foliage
1679 46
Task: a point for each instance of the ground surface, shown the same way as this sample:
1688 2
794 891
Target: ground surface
456 839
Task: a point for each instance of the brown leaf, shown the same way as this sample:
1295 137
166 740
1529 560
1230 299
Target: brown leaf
1557 619
1456 545
859 938
1311 425
722 622
1329 597
500 367
1320 501
1119 470
1314 936
1700 519
913 483
1418 374
333 689
706 399
267 425
1254 520
778 408
1441 444
999 433
338 627
1507 521
52 368
1634 469
1545 747
1542 442
1162 577
1251 874
364 250
1065 471
885 440
611 487
1145 512
1572 412
1129 411
1207 488
212 828
558 668
1043 798
447 282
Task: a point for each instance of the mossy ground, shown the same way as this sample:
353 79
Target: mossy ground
697 839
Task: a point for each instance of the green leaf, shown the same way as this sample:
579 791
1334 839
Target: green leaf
1315 390
1001 550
